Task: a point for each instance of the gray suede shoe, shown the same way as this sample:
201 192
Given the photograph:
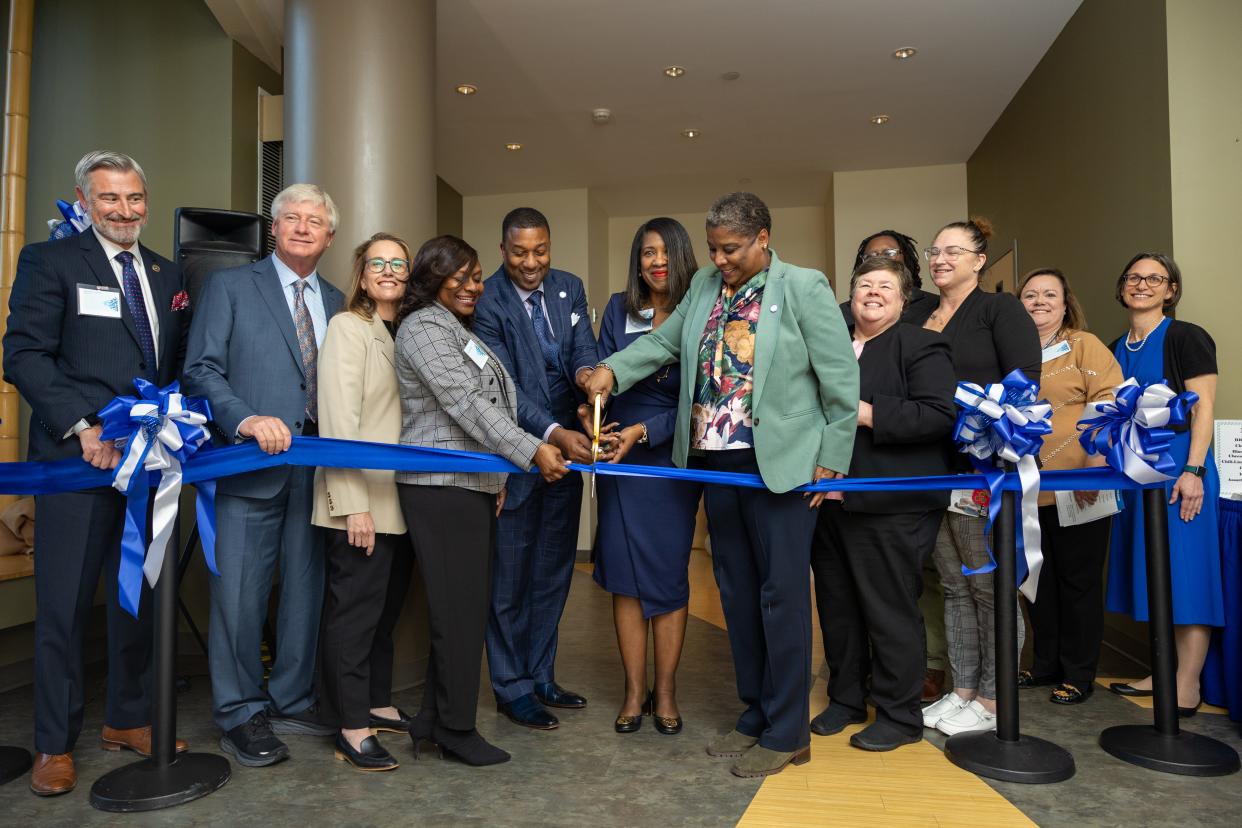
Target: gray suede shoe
761 761
731 745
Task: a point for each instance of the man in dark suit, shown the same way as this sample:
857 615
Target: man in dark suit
252 353
535 319
88 314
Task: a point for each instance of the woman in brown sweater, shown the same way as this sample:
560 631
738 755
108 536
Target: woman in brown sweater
1068 615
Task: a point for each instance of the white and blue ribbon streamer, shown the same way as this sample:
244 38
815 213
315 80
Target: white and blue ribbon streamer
1006 421
158 431
1134 431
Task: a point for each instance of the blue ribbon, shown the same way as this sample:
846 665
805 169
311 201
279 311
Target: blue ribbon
157 431
1134 432
1006 421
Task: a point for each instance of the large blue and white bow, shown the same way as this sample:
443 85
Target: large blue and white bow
1133 431
1006 421
158 431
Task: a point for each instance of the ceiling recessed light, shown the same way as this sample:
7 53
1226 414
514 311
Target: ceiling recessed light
905 53
466 89
879 120
691 133
674 71
513 146
731 76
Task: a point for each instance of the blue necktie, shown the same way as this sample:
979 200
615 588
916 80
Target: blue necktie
546 345
137 309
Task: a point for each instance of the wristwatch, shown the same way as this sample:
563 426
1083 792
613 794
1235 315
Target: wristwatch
1197 471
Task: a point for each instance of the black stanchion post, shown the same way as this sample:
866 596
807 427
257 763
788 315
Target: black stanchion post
14 762
166 779
1006 754
1165 747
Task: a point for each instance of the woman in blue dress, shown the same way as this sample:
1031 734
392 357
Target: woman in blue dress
646 526
1155 349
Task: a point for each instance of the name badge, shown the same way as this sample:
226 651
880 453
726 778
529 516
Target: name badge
1053 351
633 326
476 353
97 300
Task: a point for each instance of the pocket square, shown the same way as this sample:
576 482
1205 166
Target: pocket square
180 301
573 319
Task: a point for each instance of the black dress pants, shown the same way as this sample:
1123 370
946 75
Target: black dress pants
78 537
868 578
362 602
454 535
761 549
1068 614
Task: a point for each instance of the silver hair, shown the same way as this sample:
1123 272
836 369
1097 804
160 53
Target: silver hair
104 160
743 213
301 193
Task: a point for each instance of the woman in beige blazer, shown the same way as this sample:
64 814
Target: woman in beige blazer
369 559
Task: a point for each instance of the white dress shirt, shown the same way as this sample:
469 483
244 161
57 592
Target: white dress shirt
525 295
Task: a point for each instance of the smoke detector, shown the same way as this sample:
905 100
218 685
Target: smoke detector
601 115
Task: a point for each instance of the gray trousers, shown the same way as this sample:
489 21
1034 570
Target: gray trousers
254 536
969 606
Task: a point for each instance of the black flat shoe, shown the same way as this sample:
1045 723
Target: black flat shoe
668 725
834 719
631 724
1187 712
468 746
880 736
1066 693
1028 679
370 756
1123 689
398 725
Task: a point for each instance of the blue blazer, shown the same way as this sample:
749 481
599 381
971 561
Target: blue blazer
501 321
243 356
67 365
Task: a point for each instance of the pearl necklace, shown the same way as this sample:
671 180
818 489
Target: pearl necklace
1141 342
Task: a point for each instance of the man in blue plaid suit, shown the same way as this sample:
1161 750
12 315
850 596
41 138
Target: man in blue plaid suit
535 319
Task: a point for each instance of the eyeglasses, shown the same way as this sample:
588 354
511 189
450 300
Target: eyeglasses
886 252
1152 280
952 253
399 267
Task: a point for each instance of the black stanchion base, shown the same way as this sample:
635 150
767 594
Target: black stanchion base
1188 754
146 786
1029 760
14 762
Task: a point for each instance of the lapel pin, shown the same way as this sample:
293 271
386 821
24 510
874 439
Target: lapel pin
562 294
773 309
155 268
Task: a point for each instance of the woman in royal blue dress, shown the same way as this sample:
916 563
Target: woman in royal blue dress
646 526
1158 348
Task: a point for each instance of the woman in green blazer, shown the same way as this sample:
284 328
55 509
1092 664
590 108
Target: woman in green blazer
769 386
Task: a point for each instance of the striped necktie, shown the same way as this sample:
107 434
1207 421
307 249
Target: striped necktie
308 347
138 310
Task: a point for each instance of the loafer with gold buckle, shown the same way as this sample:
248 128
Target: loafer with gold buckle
631 724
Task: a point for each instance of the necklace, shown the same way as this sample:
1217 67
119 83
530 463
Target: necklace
1141 342
1052 339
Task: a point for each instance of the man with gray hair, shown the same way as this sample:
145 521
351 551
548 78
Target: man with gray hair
252 353
88 314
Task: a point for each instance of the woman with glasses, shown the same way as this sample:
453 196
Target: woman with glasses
990 335
368 556
898 247
1158 348
1068 619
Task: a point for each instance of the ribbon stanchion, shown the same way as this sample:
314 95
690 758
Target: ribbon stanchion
1006 422
1133 434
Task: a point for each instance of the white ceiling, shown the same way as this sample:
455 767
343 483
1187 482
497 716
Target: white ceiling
812 73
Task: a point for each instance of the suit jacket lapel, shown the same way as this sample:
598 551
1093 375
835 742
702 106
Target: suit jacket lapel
267 283
767 330
106 276
521 322
558 311
161 297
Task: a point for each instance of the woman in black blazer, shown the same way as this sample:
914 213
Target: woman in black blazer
869 548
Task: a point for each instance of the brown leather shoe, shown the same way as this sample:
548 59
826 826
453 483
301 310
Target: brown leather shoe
137 739
933 685
53 774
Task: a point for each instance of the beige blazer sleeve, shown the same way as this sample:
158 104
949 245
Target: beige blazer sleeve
340 382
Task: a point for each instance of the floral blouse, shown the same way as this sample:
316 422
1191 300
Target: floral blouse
721 417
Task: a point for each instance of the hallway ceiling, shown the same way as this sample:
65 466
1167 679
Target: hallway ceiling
812 73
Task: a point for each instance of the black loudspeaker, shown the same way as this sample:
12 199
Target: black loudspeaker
206 240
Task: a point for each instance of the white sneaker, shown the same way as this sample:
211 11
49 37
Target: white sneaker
973 718
947 705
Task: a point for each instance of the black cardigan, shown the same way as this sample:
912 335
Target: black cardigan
1189 352
906 374
991 334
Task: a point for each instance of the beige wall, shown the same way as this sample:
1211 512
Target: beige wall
1077 166
916 201
1205 120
